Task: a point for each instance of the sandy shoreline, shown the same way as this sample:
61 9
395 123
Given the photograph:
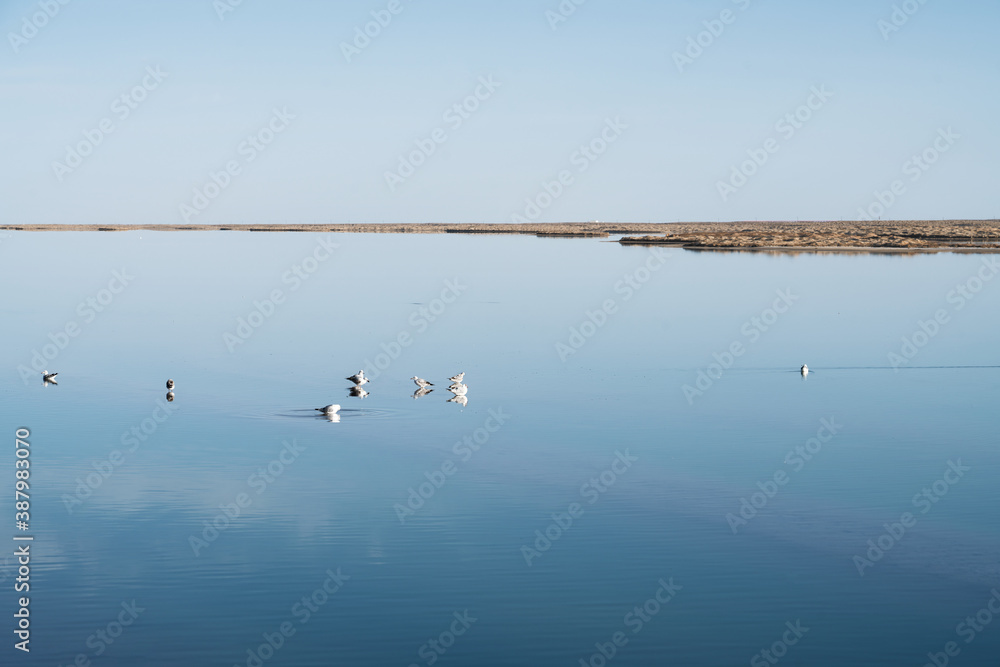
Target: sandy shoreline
882 236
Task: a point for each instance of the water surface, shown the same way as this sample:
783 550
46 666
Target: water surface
512 313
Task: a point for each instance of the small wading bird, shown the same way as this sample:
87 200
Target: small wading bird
329 410
421 383
359 379
458 378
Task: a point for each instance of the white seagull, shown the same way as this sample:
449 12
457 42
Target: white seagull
359 379
49 377
421 383
804 370
458 378
329 410
459 389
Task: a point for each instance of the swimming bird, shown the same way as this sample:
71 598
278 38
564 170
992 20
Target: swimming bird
359 379
329 410
170 384
458 378
459 389
49 377
423 391
804 370
358 392
421 383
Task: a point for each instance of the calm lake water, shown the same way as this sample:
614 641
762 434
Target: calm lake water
607 495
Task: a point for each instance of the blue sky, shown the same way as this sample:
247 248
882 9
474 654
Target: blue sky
680 133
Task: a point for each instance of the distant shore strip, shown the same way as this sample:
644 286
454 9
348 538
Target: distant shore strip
838 236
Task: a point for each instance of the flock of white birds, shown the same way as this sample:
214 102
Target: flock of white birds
459 390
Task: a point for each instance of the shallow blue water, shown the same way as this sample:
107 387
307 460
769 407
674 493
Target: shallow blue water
595 441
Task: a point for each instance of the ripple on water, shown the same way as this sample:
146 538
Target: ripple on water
344 414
